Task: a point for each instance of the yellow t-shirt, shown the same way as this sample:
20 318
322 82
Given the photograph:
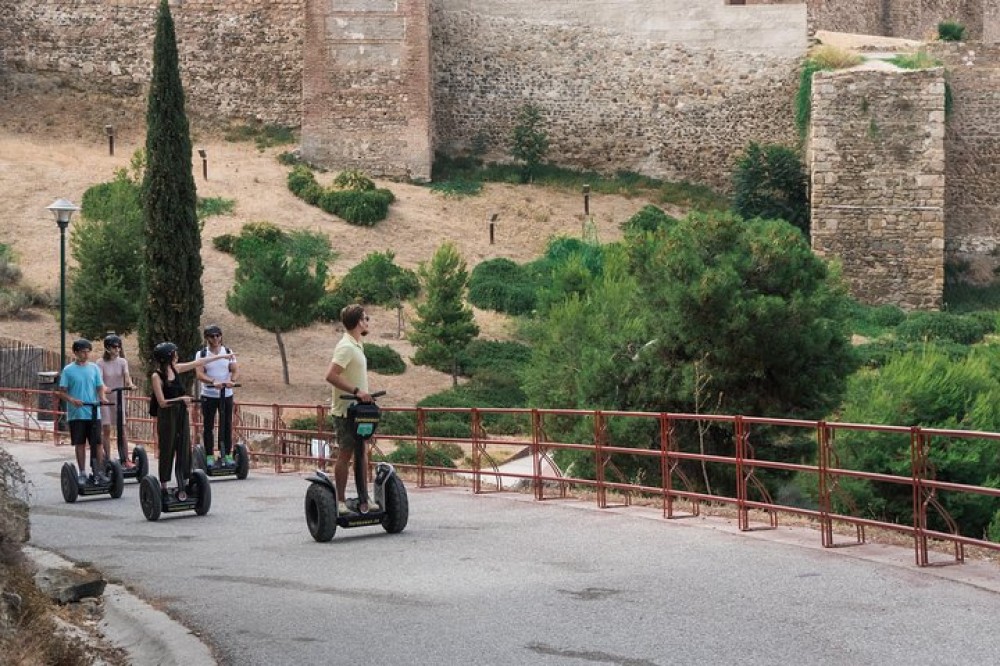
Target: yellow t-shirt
350 355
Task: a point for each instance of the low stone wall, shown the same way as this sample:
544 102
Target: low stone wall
878 182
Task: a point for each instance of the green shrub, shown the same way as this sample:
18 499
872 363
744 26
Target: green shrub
926 326
300 178
406 454
378 280
363 208
951 31
224 243
353 179
457 188
649 219
769 182
494 356
209 206
384 360
501 285
330 305
920 59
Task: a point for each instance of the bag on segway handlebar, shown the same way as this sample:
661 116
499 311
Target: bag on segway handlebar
363 418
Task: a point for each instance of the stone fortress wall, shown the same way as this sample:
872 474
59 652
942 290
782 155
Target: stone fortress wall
668 88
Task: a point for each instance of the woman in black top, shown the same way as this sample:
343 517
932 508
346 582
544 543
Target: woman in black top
172 427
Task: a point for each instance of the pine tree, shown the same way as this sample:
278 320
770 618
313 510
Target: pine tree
172 293
444 325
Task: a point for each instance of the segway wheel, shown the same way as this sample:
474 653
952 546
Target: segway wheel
117 475
321 512
141 461
397 506
200 487
150 497
200 461
242 457
68 482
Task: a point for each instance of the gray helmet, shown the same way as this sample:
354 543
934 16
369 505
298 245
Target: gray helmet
82 343
212 330
164 352
112 341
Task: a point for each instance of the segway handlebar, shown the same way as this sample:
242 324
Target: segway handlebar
120 389
351 396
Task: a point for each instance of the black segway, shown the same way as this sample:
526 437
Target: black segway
110 480
140 461
239 467
322 515
195 496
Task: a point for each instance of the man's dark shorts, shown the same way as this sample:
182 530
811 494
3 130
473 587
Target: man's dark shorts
83 431
346 438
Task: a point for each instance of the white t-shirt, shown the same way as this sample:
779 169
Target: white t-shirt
218 371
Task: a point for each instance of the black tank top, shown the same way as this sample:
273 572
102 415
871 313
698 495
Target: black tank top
171 389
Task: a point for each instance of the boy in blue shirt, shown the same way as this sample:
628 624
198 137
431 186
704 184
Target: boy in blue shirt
80 382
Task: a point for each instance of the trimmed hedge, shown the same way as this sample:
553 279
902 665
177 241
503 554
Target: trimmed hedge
354 196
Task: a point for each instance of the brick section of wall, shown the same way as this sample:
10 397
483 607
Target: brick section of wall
608 101
878 182
972 142
366 89
239 59
911 19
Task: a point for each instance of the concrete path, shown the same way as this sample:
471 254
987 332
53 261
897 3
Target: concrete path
502 579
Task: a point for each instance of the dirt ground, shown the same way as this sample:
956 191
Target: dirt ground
50 150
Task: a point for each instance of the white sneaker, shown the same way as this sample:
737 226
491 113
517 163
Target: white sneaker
342 508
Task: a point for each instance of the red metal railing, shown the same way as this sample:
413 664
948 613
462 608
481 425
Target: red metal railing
275 445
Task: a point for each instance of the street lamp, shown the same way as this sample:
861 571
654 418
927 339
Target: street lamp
204 163
62 210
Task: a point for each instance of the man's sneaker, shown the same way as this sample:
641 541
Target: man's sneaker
129 464
101 480
372 506
352 504
228 460
342 508
82 479
210 460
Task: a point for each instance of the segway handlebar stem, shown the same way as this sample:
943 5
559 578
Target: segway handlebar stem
350 396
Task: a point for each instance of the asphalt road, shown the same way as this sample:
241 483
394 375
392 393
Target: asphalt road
501 579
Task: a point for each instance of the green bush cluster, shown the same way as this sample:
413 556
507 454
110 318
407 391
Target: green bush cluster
434 456
502 285
945 326
649 219
951 31
376 280
384 360
358 201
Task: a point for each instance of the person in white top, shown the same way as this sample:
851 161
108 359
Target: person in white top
217 380
114 370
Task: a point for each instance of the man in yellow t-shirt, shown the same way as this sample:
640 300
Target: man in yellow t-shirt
348 373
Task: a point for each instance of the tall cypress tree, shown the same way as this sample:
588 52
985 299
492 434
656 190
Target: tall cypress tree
172 293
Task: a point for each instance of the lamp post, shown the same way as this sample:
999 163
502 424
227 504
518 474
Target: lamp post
110 131
62 210
204 163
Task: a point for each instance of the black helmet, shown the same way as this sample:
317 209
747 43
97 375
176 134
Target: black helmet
82 343
112 340
212 330
164 352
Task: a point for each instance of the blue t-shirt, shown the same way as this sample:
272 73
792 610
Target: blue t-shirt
81 382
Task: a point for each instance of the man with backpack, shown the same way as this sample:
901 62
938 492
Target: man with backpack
217 380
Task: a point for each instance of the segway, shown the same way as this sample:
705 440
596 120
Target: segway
140 461
239 467
195 496
112 482
322 515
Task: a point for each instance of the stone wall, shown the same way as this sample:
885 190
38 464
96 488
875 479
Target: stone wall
912 19
613 97
239 59
366 89
972 142
878 182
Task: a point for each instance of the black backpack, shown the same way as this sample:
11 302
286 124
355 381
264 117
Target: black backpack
363 418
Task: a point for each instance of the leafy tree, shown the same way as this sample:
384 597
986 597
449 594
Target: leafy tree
173 297
769 182
104 292
528 141
444 324
276 291
929 388
378 280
